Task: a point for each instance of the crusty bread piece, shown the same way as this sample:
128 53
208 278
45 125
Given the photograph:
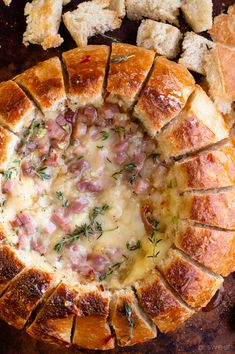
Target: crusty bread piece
129 67
213 168
23 295
130 324
198 14
223 29
8 143
10 265
43 22
7 2
119 6
45 83
53 323
16 110
197 126
195 48
91 328
160 303
196 285
165 94
215 249
163 10
161 37
89 19
219 66
86 69
213 207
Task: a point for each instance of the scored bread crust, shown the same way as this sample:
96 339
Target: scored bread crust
54 321
162 305
45 83
165 94
128 69
130 327
86 68
215 249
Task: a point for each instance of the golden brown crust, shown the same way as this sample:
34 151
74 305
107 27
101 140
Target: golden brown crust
45 83
197 126
16 110
213 248
223 30
86 69
92 330
214 168
165 309
23 295
126 78
195 285
226 59
8 142
130 324
164 95
211 208
10 266
54 322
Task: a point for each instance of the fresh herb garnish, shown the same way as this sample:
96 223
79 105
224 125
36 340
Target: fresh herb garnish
129 317
100 147
120 58
108 160
98 211
104 135
40 173
36 130
80 157
155 241
60 197
111 270
8 173
133 247
126 168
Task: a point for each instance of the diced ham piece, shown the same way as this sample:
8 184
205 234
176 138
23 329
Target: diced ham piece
61 120
114 254
51 160
76 207
108 110
43 146
87 115
25 228
139 160
54 130
87 186
121 146
22 240
120 158
79 130
99 263
78 167
25 218
93 132
141 186
85 270
58 218
37 246
7 186
50 227
27 168
70 116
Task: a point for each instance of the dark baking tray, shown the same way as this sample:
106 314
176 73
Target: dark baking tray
206 332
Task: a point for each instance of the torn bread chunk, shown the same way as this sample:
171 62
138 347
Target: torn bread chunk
196 285
45 83
11 264
130 324
160 303
223 29
23 295
195 48
8 144
213 207
43 21
213 168
199 125
89 19
119 6
158 36
7 2
198 14
54 321
213 248
91 327
16 109
163 10
165 94
86 68
129 67
219 67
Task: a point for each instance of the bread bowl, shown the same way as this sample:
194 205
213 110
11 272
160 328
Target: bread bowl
86 221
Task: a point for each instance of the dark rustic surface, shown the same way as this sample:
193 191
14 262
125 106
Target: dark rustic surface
206 332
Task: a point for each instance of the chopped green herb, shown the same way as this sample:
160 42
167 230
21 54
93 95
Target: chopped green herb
129 317
40 173
8 173
111 270
120 58
108 160
99 211
60 197
127 168
100 147
36 130
104 135
80 157
155 241
133 247
154 156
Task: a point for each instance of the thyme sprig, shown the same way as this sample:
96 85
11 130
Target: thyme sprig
126 168
129 317
104 135
8 173
112 269
60 196
155 241
120 58
41 173
36 130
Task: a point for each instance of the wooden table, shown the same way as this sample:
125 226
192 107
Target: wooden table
206 332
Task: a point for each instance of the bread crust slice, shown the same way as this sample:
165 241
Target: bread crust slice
91 328
53 323
16 109
10 265
213 168
194 284
160 303
86 68
165 94
23 295
199 125
215 249
129 67
8 143
45 83
223 29
129 322
214 207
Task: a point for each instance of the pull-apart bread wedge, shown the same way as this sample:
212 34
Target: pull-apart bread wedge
101 239
128 70
198 14
223 29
